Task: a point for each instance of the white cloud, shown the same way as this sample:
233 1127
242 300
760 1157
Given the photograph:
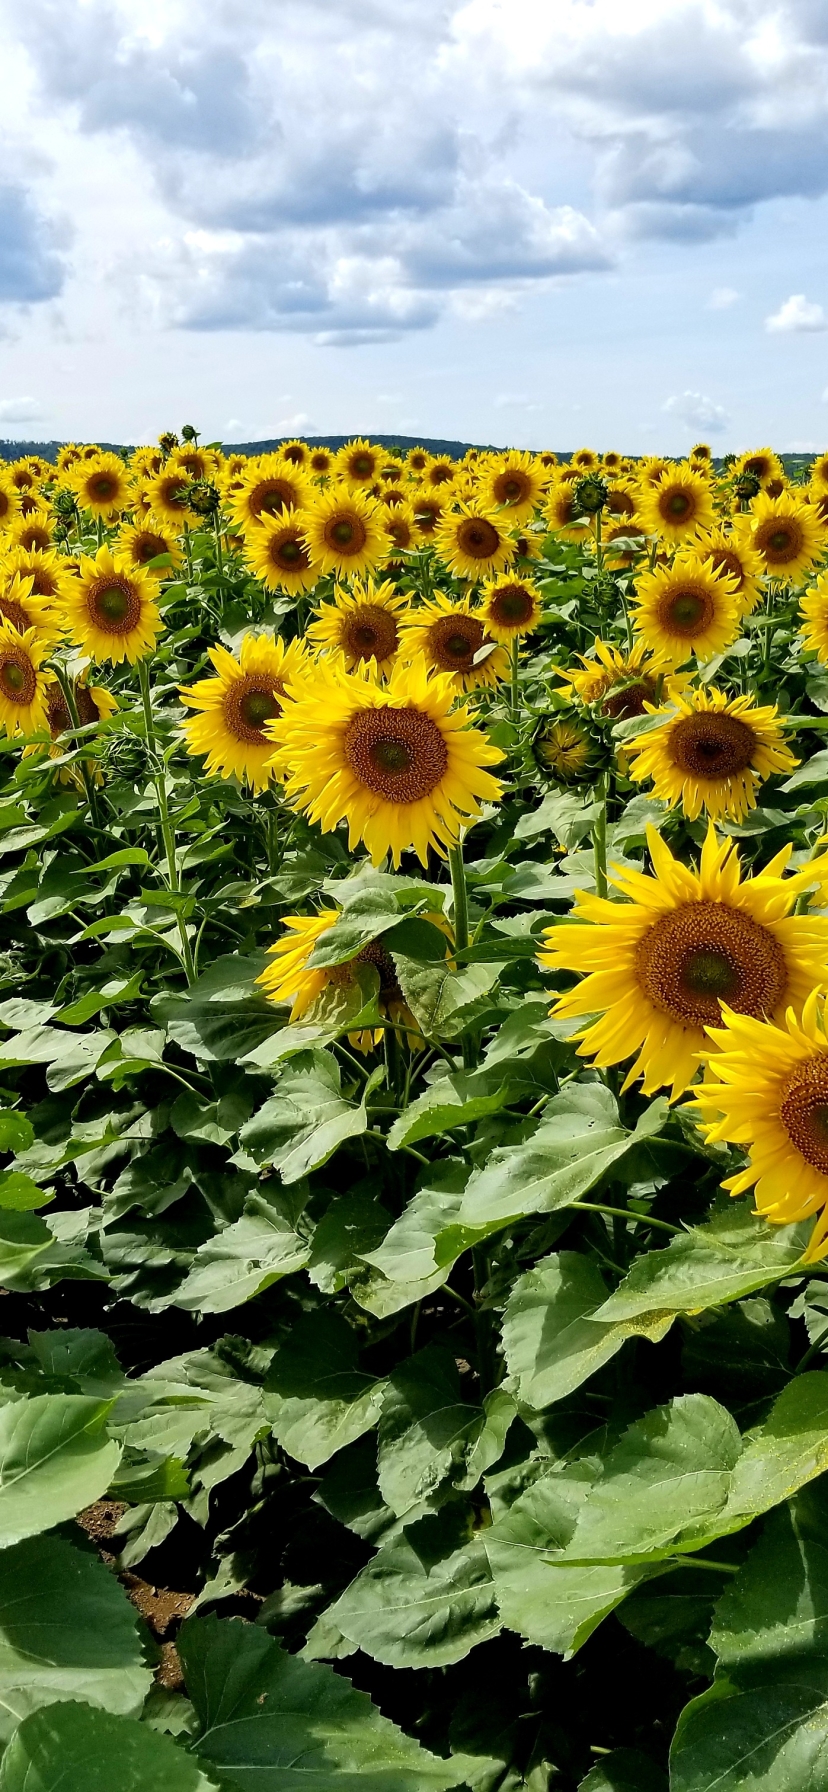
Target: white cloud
21 410
515 401
722 297
797 315
697 411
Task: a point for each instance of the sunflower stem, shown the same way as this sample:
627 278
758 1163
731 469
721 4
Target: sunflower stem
167 831
599 837
514 699
599 550
69 698
460 895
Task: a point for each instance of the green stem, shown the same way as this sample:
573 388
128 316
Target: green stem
483 1322
159 779
599 837
461 897
69 698
627 1213
698 1562
514 689
599 551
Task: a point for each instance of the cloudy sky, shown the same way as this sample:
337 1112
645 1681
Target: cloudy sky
535 221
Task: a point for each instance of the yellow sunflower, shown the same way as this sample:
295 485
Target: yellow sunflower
400 526
528 546
440 471
701 452
147 540
25 608
786 533
295 451
166 496
813 609
23 477
622 499
623 542
564 749
678 506
362 625
762 463
31 533
621 683
103 485
397 761
511 607
68 455
515 483
585 460
660 964
45 569
270 487
109 610
23 682
416 460
276 552
473 543
233 707
289 978
9 500
430 507
737 560
195 462
561 511
144 462
768 1092
92 701
320 462
344 533
711 753
611 460
359 462
686 608
651 468
450 635
819 474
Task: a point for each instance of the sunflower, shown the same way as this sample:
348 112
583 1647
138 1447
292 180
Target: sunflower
145 541
69 454
362 625
195 462
24 608
622 684
23 682
651 468
430 510
289 978
296 452
511 607
623 542
622 499
400 526
564 748
441 471
320 462
166 496
234 464
234 707
737 560
416 460
585 459
711 754
528 546
785 532
359 462
92 702
109 609
276 552
23 477
514 482
819 473
548 458
659 965
762 463
9 500
686 608
473 543
397 761
44 570
271 487
767 1090
561 512
103 485
450 636
144 462
611 461
813 609
343 532
702 453
678 505
31 532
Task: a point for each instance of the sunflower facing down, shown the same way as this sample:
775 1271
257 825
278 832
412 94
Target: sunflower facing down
276 552
289 977
362 625
678 506
473 543
767 1090
511 607
711 753
659 965
450 635
344 533
398 761
233 708
685 608
148 540
23 680
786 532
109 610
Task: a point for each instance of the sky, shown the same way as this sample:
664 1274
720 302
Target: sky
544 223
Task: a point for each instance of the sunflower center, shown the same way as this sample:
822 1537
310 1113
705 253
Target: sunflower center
102 487
174 493
512 605
780 541
453 642
271 496
114 605
629 701
804 1112
17 676
147 546
676 506
5 503
724 560
250 701
399 754
369 632
712 746
289 554
382 961
345 532
362 466
15 614
686 611
399 532
704 953
509 488
478 538
620 503
295 454
57 711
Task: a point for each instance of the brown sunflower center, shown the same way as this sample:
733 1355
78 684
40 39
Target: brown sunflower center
361 466
399 754
174 493
5 503
512 606
804 1111
15 614
676 506
399 531
758 465
453 642
369 632
726 561
57 710
289 554
620 503
320 461
440 475
477 538
686 610
271 496
249 702
511 488
704 953
375 954
103 487
17 675
712 746
780 540
345 532
295 453
34 536
146 546
629 701
114 605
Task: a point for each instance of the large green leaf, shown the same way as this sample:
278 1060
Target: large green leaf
300 1127
416 1256
274 1723
452 1099
625 1770
551 1341
773 1740
67 1630
426 1430
243 1260
55 1458
74 1748
316 1398
425 1599
733 1255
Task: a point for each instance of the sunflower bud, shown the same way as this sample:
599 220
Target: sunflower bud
64 504
203 497
168 441
188 433
745 487
591 494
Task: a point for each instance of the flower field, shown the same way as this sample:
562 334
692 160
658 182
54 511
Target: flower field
414 1116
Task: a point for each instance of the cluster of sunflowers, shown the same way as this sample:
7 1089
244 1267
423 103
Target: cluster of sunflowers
424 615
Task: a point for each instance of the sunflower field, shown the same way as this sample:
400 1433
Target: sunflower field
414 1117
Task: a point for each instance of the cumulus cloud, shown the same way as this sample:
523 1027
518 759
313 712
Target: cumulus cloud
797 315
697 411
31 269
722 297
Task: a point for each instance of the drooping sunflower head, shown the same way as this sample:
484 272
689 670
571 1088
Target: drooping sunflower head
762 463
734 557
399 761
362 625
511 607
23 681
109 609
786 533
564 749
102 486
813 609
9 500
473 542
344 533
685 609
711 753
234 708
514 483
270 487
678 506
359 462
452 638
150 539
658 966
622 684
277 553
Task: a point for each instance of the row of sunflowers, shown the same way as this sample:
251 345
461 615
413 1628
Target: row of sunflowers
408 865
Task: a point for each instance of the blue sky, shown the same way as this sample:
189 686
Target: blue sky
544 222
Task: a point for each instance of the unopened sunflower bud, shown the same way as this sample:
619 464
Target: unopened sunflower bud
591 494
745 486
188 433
203 497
